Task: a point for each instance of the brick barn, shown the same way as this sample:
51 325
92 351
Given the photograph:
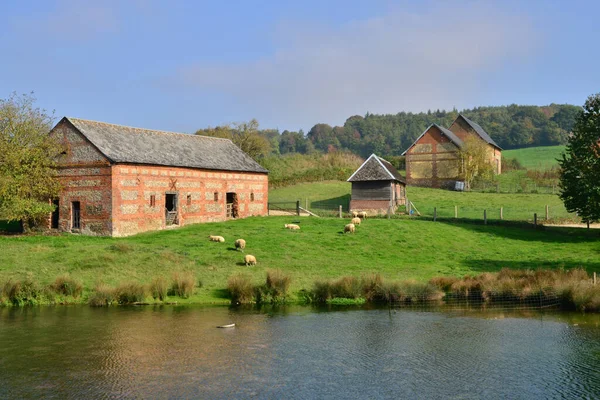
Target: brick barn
119 180
377 186
432 160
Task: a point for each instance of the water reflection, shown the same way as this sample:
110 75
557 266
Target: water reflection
296 352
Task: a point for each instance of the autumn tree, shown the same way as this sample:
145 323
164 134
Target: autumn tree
580 164
28 155
474 161
243 134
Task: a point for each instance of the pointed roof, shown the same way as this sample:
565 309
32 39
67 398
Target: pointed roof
124 144
376 169
479 130
446 132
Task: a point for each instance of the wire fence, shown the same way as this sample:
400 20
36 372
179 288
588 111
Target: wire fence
523 187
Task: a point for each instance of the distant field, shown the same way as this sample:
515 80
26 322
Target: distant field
399 249
536 157
516 206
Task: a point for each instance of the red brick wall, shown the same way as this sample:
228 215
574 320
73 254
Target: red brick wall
85 176
133 186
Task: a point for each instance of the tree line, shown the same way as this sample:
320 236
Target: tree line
388 135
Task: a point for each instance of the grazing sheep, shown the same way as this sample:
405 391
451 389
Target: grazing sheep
240 244
249 260
362 214
292 226
216 238
356 221
350 228
354 214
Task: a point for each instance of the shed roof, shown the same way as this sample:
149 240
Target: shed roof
376 169
479 130
124 144
446 132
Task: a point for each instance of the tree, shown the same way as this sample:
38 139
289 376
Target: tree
474 161
27 165
580 165
243 134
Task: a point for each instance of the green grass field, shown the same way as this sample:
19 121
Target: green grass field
536 157
399 249
516 206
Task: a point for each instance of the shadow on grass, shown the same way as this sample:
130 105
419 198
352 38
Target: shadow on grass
220 293
479 266
332 204
516 230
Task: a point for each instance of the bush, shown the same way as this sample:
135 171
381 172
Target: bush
183 284
347 287
372 288
103 295
129 293
240 289
159 287
67 286
278 283
321 291
27 292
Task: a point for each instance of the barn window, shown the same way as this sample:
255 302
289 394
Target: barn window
252 196
152 200
216 196
189 199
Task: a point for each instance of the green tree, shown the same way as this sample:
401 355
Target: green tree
243 134
28 159
474 161
580 165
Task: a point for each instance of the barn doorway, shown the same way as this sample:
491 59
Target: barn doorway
232 205
171 209
75 215
55 215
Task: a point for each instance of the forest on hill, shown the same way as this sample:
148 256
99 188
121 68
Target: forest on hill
511 127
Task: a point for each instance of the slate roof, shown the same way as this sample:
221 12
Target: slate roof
124 144
446 132
480 131
376 169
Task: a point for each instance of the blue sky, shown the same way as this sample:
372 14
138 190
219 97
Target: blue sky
183 65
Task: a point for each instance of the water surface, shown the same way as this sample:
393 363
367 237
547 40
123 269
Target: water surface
296 352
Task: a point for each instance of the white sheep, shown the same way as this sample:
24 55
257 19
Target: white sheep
350 228
240 244
354 214
249 260
362 214
356 221
220 239
292 226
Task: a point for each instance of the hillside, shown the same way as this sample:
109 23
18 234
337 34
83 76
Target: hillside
398 249
543 157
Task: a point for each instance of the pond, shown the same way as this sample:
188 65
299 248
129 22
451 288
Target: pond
296 352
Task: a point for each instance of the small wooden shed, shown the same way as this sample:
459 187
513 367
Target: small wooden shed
377 187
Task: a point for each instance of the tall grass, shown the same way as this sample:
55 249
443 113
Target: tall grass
159 288
103 295
183 284
275 289
240 288
130 293
67 286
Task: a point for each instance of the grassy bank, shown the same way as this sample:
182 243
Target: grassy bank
396 249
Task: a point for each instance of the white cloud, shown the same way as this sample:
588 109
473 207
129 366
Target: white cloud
399 61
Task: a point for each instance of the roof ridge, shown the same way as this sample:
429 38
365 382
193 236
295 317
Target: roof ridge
145 129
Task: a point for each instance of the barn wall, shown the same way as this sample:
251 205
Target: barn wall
371 190
432 161
133 186
461 129
375 197
85 176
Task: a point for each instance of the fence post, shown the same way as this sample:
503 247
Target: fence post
455 211
298 207
306 203
268 209
501 212
594 279
546 212
340 211
434 214
389 213
535 220
485 217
